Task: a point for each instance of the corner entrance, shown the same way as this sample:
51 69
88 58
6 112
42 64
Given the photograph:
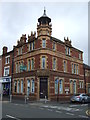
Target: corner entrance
43 87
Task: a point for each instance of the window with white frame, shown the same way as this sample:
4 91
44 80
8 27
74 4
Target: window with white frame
43 43
6 71
18 87
32 86
81 85
21 86
43 62
7 60
60 86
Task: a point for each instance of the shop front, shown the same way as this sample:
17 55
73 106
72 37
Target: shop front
5 85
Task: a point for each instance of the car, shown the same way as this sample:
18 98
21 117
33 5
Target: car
80 98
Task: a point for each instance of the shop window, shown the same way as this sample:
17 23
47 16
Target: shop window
32 86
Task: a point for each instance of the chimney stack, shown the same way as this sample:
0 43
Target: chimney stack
5 50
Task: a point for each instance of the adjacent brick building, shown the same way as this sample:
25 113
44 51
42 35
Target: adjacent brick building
46 66
6 71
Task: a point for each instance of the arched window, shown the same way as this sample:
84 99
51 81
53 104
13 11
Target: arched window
60 86
56 86
32 86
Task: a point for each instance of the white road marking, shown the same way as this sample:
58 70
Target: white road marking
69 114
84 105
9 116
58 111
83 116
49 109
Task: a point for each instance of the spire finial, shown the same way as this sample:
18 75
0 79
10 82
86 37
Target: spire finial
44 11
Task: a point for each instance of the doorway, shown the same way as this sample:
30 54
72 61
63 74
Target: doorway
43 88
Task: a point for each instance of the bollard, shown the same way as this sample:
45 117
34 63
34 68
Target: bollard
1 96
45 99
25 99
10 98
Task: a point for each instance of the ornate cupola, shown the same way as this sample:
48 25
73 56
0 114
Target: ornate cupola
44 27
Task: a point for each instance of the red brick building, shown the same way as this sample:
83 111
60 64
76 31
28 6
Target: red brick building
46 66
6 71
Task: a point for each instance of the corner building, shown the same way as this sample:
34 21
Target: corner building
46 66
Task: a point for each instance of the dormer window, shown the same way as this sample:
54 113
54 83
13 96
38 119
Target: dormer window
67 50
20 51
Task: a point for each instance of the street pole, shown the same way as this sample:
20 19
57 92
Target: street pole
45 99
1 96
25 99
10 98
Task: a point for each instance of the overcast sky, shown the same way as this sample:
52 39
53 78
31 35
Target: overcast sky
68 20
